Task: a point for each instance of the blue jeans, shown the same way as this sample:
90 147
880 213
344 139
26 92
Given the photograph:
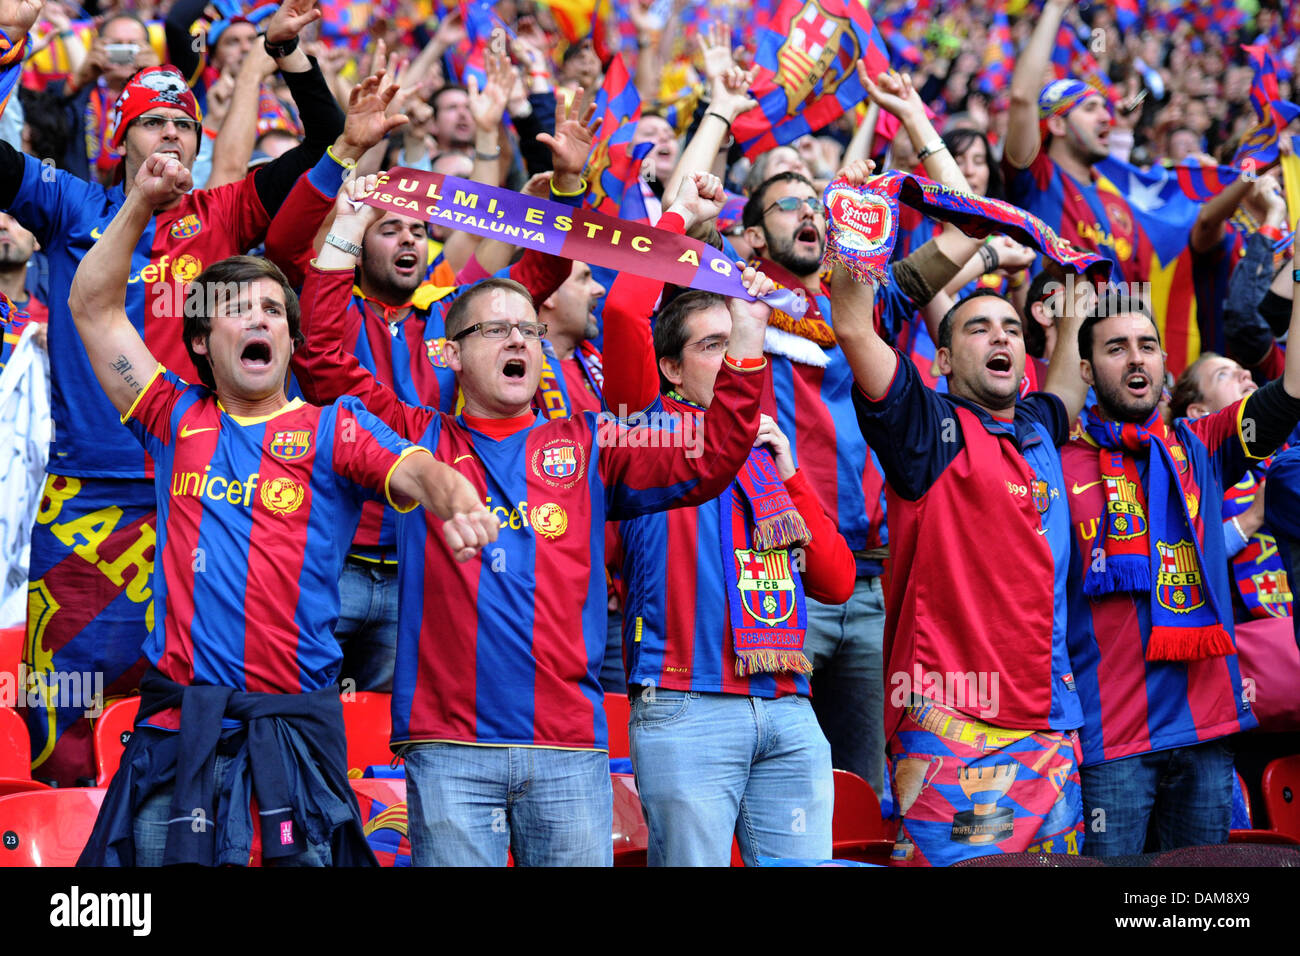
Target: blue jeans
1188 791
846 645
710 765
468 806
367 626
153 817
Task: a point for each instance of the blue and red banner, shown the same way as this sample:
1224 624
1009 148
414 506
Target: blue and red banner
1259 144
999 55
807 70
614 166
560 230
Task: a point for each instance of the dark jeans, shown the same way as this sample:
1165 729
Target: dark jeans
1184 794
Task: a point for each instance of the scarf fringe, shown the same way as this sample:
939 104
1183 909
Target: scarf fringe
1123 573
1188 643
770 661
814 330
783 531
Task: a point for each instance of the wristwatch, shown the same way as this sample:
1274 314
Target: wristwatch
278 51
338 242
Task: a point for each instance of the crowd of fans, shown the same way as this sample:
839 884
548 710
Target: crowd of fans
1000 549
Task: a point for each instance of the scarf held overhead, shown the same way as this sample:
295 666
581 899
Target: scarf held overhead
581 234
863 223
1186 621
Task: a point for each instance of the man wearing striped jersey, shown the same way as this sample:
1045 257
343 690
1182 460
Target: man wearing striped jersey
1151 634
258 498
496 698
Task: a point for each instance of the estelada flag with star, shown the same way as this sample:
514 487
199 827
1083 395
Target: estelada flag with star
807 70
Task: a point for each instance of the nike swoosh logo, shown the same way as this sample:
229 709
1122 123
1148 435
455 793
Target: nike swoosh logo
1079 489
186 431
460 458
96 234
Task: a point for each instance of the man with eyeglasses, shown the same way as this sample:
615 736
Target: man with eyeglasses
785 225
92 548
395 325
496 700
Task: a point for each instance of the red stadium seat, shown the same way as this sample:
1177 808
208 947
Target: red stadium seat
368 723
47 827
1241 835
15 746
857 830
631 837
10 785
112 731
617 712
1282 795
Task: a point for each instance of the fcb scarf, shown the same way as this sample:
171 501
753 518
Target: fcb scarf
764 592
1257 569
1186 622
99 130
863 224
811 326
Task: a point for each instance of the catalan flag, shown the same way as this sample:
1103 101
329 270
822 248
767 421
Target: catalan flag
1259 144
573 17
807 70
999 55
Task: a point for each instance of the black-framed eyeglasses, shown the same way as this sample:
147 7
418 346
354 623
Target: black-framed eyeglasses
791 203
152 123
500 329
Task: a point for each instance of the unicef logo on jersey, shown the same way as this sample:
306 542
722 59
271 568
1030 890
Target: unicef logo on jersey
281 496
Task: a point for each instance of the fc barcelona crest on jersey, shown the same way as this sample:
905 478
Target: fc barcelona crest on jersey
821 53
766 585
186 226
559 463
1178 582
1041 495
434 347
290 445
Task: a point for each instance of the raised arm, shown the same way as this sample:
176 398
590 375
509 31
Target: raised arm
122 362
1063 376
728 98
1023 138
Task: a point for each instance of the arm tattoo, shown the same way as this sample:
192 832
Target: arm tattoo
123 368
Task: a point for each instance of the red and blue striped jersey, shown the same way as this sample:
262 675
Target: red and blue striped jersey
677 631
67 216
505 649
963 606
1132 705
254 519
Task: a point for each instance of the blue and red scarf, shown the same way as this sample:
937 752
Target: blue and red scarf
764 588
1186 621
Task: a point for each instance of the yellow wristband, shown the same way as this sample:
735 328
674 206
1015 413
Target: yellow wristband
345 163
578 192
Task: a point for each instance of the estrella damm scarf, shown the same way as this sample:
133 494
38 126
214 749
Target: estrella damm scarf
1186 622
862 224
1257 569
759 524
811 326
